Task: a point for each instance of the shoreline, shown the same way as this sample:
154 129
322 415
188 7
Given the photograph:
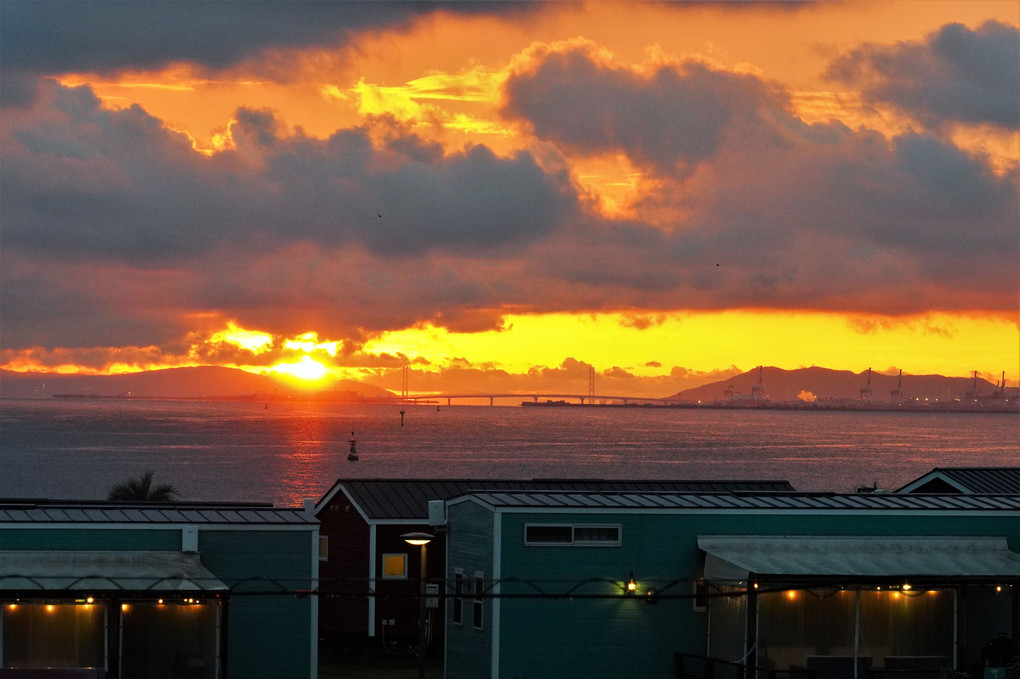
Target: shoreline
995 407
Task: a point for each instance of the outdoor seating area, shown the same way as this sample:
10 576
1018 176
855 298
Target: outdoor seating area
694 666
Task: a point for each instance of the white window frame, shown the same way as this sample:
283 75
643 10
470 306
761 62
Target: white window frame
478 602
699 602
457 614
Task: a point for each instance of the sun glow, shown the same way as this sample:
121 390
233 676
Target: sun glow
309 342
306 369
252 340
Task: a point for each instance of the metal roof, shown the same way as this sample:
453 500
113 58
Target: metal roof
507 499
966 480
97 512
382 499
730 558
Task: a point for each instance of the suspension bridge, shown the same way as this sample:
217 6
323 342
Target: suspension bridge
554 398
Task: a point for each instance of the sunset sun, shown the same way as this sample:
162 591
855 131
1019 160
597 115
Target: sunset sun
307 369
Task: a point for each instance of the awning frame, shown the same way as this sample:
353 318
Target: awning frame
858 560
34 572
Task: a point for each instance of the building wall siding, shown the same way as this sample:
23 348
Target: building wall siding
345 571
470 548
553 637
270 629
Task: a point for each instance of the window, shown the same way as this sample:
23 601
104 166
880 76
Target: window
394 565
798 625
175 640
458 596
584 535
549 535
37 635
578 535
699 604
154 639
323 548
477 607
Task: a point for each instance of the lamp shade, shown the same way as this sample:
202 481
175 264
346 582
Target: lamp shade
417 539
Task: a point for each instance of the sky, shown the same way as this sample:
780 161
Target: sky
501 195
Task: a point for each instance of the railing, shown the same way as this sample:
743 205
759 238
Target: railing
692 666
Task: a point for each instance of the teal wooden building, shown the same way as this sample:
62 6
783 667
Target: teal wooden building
611 585
152 590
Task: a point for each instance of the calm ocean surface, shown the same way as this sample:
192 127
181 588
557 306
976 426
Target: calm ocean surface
288 452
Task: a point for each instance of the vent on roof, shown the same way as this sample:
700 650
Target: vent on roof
437 513
567 480
189 539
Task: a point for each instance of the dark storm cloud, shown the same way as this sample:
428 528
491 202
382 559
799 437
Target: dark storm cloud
111 219
96 183
473 201
59 36
776 212
93 183
61 302
672 118
856 222
955 75
115 229
55 36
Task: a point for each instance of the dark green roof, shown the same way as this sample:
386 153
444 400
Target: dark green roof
970 480
746 501
391 499
62 511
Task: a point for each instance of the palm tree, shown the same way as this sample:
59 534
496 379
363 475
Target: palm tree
142 489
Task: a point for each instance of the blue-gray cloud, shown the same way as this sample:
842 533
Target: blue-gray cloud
60 36
115 228
956 75
671 119
80 180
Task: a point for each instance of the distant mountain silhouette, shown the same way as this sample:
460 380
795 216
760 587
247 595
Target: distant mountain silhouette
196 382
822 384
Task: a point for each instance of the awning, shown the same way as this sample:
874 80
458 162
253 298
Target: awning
730 558
105 570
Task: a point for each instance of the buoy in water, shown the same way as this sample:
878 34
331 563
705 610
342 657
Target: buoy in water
353 455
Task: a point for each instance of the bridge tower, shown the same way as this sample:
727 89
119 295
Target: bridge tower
403 383
591 381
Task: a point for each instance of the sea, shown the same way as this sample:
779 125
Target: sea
283 452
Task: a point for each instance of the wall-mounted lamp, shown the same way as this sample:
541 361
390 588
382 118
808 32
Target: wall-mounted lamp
631 585
417 539
420 540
